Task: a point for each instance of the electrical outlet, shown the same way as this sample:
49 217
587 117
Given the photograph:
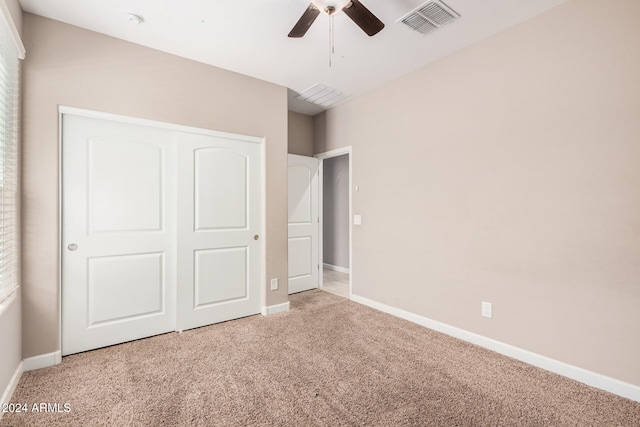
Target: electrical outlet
487 309
274 284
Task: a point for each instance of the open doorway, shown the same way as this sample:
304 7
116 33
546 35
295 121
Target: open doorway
336 230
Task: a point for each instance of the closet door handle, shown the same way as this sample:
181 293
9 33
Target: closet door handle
256 237
72 247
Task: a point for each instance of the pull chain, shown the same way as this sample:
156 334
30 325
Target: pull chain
330 11
331 46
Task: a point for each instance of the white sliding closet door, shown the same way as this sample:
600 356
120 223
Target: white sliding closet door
161 230
219 230
118 233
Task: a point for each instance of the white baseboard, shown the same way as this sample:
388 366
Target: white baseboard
273 309
42 361
593 379
336 268
11 387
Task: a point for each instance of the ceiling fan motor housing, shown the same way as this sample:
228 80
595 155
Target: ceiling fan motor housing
330 7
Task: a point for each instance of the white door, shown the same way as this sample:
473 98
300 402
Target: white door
118 259
219 230
303 223
158 231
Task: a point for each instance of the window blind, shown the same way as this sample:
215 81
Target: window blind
9 116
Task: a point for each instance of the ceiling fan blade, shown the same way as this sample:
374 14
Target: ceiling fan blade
305 21
363 18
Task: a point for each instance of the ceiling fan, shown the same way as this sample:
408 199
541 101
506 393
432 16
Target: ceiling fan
355 10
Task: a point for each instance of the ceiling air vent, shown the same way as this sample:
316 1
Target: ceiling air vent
429 17
322 95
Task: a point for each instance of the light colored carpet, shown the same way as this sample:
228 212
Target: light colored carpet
326 362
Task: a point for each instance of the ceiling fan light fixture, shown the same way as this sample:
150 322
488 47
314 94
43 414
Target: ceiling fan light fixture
330 7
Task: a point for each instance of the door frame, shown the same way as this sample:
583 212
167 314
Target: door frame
66 110
322 156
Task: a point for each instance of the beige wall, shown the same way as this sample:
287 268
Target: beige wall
70 66
10 337
510 173
300 134
320 134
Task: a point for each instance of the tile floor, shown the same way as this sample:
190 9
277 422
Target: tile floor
336 283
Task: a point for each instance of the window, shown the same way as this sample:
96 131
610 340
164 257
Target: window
10 50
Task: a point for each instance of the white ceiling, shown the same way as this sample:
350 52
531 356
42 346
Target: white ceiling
250 36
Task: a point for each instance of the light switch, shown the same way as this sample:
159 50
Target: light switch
357 219
274 284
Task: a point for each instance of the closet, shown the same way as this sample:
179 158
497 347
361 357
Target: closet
161 228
